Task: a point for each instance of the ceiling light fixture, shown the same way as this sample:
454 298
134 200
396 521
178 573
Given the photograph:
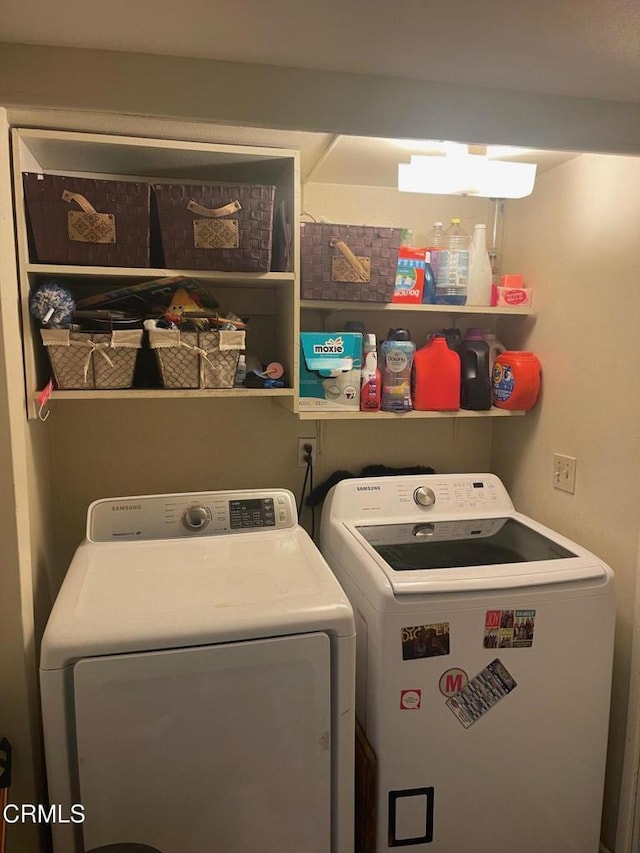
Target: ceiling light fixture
463 173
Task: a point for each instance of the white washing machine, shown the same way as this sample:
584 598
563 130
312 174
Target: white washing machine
197 678
483 674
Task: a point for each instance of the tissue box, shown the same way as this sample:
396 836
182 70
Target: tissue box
330 364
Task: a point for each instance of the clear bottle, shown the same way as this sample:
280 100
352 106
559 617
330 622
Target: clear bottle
479 284
435 242
453 266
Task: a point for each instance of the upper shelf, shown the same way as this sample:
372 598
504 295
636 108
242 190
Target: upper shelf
340 305
130 273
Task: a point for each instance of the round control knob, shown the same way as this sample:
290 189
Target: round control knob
424 496
196 518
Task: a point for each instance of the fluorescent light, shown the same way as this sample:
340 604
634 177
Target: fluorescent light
466 174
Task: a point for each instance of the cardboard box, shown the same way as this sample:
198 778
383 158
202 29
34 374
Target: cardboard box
409 283
330 364
513 297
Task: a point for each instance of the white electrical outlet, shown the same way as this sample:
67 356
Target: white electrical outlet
313 442
564 472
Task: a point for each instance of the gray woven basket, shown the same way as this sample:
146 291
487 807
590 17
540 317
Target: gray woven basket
327 274
90 360
197 359
50 217
224 227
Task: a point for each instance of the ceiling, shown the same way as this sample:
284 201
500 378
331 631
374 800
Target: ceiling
580 48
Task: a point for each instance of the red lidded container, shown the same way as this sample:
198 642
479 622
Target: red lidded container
516 380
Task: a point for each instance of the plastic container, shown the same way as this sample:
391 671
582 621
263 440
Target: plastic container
479 284
496 348
436 377
453 266
429 285
516 380
435 242
475 383
371 377
397 359
241 371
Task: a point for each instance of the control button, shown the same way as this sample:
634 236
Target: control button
196 517
282 515
424 496
281 499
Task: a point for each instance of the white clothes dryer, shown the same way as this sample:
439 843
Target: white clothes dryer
197 678
483 669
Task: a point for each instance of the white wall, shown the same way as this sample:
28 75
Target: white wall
581 413
575 240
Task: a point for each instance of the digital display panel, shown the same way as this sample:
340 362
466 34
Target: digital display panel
257 512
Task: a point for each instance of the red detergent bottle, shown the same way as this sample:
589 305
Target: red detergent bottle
436 377
516 380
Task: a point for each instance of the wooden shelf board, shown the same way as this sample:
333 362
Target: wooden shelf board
336 305
374 416
70 271
170 393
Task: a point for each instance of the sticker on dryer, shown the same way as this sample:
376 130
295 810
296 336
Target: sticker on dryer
410 700
425 641
452 681
509 629
480 695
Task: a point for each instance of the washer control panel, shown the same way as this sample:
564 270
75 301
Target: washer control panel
198 514
418 496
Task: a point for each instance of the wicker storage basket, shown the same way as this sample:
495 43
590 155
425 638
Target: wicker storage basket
197 359
224 227
86 221
92 360
351 262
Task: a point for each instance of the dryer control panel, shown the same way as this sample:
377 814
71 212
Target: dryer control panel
191 514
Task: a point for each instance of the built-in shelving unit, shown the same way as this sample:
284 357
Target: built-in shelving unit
269 300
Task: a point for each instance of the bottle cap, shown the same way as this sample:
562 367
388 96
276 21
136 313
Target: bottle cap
399 335
455 222
369 342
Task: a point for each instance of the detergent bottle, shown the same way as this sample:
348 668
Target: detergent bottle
475 386
436 377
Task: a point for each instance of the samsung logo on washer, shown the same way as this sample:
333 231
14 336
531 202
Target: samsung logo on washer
125 507
367 488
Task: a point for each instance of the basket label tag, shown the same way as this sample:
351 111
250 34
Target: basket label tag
216 234
342 270
91 227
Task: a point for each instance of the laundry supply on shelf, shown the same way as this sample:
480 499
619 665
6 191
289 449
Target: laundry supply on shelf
397 359
516 380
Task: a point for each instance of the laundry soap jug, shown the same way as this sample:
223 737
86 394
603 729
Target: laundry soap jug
397 359
516 380
436 377
475 382
479 283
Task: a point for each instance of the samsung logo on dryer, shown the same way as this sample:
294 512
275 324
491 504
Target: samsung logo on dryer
125 507
367 488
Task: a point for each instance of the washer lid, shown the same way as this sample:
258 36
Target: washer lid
132 596
496 552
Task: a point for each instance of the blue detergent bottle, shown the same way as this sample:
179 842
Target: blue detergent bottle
397 359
